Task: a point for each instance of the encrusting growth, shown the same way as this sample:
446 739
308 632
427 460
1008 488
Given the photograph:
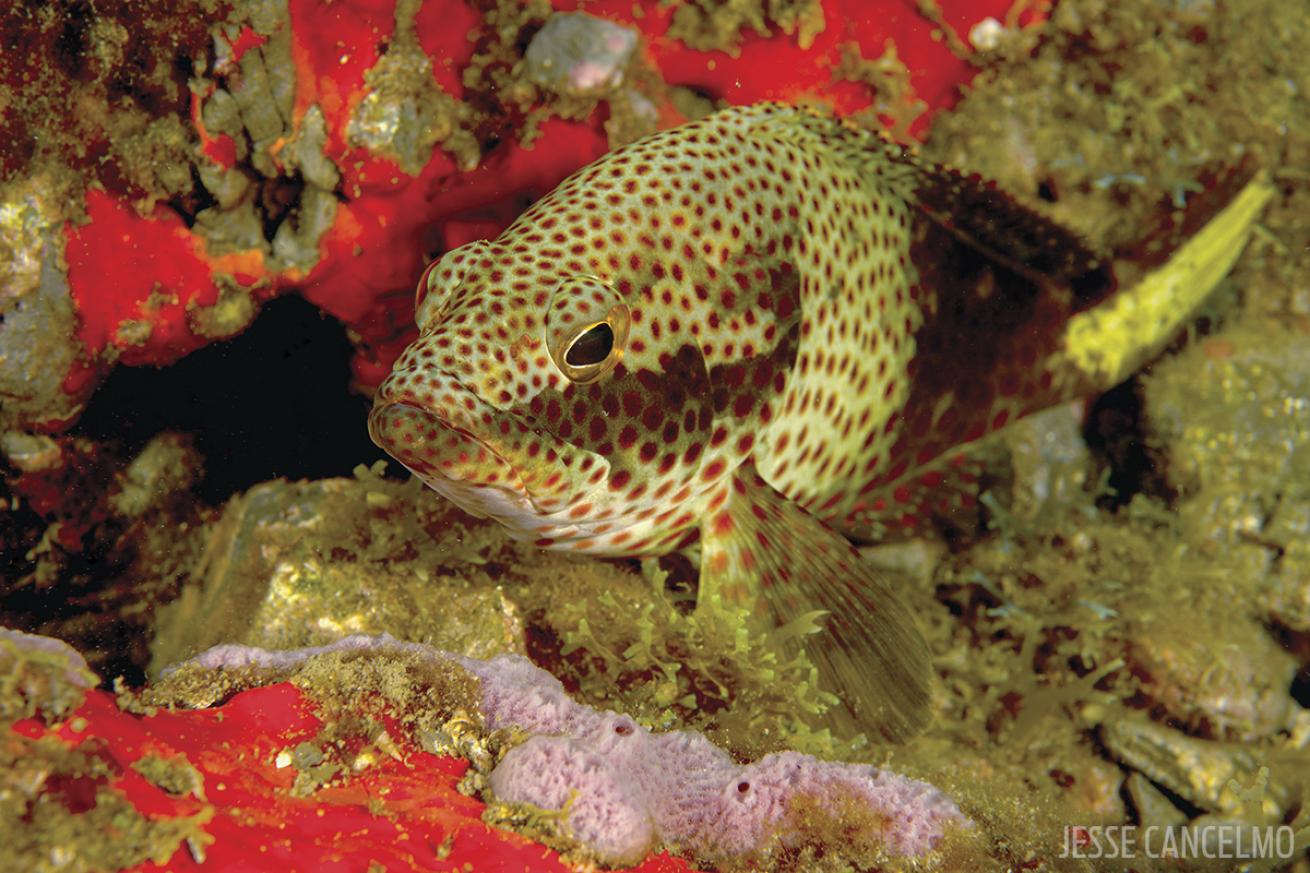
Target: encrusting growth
626 791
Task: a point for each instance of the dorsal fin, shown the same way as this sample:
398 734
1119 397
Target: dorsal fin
972 208
982 215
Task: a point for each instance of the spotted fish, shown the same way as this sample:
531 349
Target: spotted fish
756 336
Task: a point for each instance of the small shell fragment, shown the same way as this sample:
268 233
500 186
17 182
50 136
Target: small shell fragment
580 55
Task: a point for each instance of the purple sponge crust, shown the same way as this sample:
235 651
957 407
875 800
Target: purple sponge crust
626 791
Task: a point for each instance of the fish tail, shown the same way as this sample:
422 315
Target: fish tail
1041 317
1108 342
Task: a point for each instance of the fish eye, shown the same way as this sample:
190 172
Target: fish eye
591 347
587 327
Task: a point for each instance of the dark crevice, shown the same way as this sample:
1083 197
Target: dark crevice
189 205
705 94
1186 807
1301 688
271 402
278 196
1296 642
1116 433
69 51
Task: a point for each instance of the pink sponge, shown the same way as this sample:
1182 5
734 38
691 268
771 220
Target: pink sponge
604 813
627 790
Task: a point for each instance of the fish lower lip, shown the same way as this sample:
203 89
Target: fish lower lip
431 446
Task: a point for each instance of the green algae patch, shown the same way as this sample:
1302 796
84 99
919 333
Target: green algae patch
367 683
709 25
837 824
156 158
548 827
40 677
406 113
173 775
44 829
639 647
124 65
895 107
421 694
192 687
230 314
301 564
360 696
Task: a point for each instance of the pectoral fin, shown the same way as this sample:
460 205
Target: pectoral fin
759 548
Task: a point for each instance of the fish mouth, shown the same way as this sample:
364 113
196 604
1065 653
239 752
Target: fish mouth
437 450
446 435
